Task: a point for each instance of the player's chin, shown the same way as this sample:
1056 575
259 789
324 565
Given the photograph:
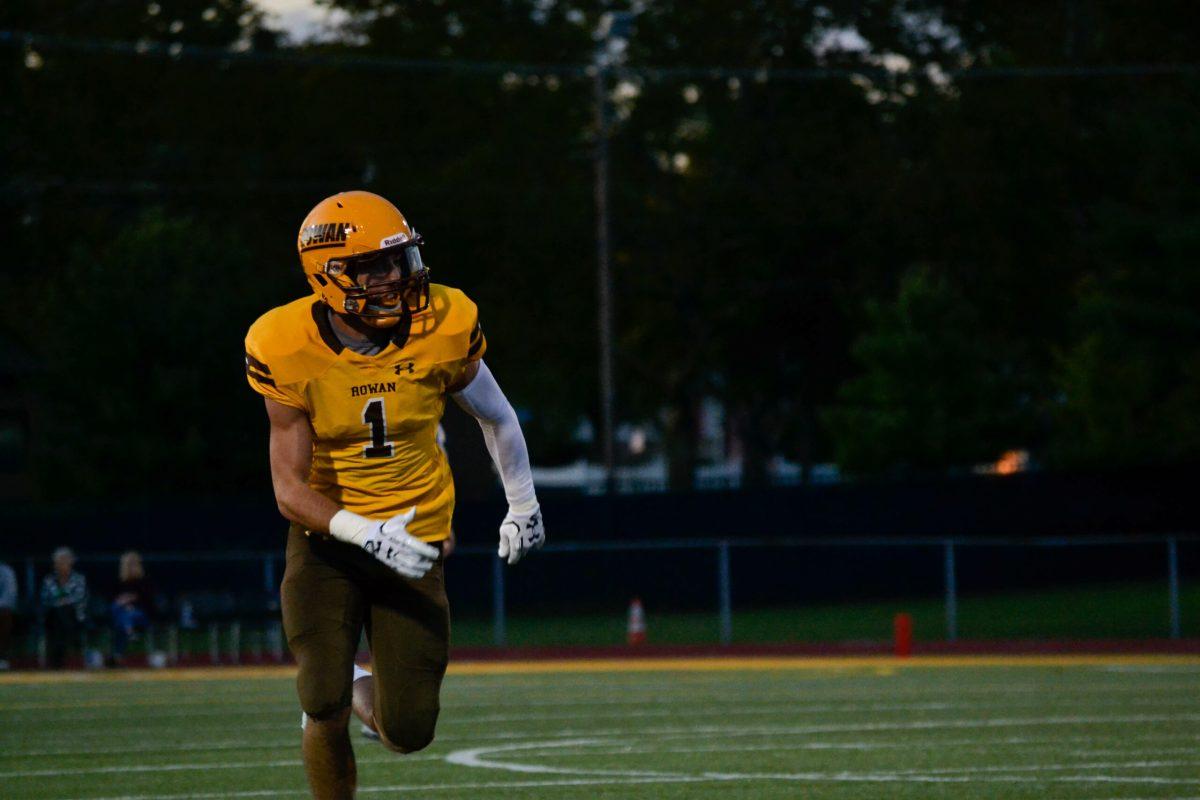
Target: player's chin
382 322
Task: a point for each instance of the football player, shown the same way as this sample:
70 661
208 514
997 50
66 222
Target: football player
355 378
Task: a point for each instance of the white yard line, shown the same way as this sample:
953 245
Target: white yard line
195 767
949 724
907 744
775 707
554 783
428 787
691 731
129 749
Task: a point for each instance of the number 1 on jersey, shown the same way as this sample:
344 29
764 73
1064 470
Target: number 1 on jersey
373 416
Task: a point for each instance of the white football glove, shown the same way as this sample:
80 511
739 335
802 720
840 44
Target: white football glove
390 542
520 533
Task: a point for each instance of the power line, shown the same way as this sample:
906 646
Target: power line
179 51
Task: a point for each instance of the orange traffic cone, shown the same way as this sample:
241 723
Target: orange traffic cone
635 632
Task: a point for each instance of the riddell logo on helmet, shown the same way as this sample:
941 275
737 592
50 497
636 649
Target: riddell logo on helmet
394 239
328 234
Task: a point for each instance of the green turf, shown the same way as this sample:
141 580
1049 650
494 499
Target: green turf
980 732
1086 612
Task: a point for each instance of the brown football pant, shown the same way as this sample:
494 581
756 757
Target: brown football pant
331 591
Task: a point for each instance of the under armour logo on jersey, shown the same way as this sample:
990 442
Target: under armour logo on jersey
405 366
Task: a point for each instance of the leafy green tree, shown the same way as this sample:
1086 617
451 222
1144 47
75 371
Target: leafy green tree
1129 383
752 215
932 393
141 347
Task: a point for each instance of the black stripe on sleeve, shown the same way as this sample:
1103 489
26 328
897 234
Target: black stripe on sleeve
473 349
251 361
263 379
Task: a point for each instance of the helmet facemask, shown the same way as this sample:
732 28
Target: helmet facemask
371 292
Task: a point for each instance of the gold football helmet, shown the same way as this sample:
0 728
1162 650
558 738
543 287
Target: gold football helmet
361 257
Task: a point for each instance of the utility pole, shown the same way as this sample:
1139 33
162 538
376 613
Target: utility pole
610 35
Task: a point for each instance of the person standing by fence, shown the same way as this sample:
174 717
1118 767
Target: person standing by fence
64 606
8 608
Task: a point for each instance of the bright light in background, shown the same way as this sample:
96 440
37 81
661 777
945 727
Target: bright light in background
302 20
1010 463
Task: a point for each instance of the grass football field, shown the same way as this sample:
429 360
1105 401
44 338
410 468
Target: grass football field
1069 727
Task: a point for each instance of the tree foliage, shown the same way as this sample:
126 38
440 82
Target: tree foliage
934 390
905 268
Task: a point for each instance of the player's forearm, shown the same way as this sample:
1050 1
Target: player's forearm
506 445
502 435
304 506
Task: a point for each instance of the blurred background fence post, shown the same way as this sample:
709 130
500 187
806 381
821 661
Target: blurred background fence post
269 573
1173 586
724 591
951 590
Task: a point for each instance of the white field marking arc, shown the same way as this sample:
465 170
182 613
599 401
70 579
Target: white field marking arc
908 744
473 757
562 746
478 758
962 744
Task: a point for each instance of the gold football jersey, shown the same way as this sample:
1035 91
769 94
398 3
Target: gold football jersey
374 418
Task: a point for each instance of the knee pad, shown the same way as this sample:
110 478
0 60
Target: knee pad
408 730
322 691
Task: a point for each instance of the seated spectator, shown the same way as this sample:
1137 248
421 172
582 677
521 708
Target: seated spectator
64 606
8 607
133 604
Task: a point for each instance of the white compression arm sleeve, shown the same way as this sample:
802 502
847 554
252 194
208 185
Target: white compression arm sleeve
484 401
